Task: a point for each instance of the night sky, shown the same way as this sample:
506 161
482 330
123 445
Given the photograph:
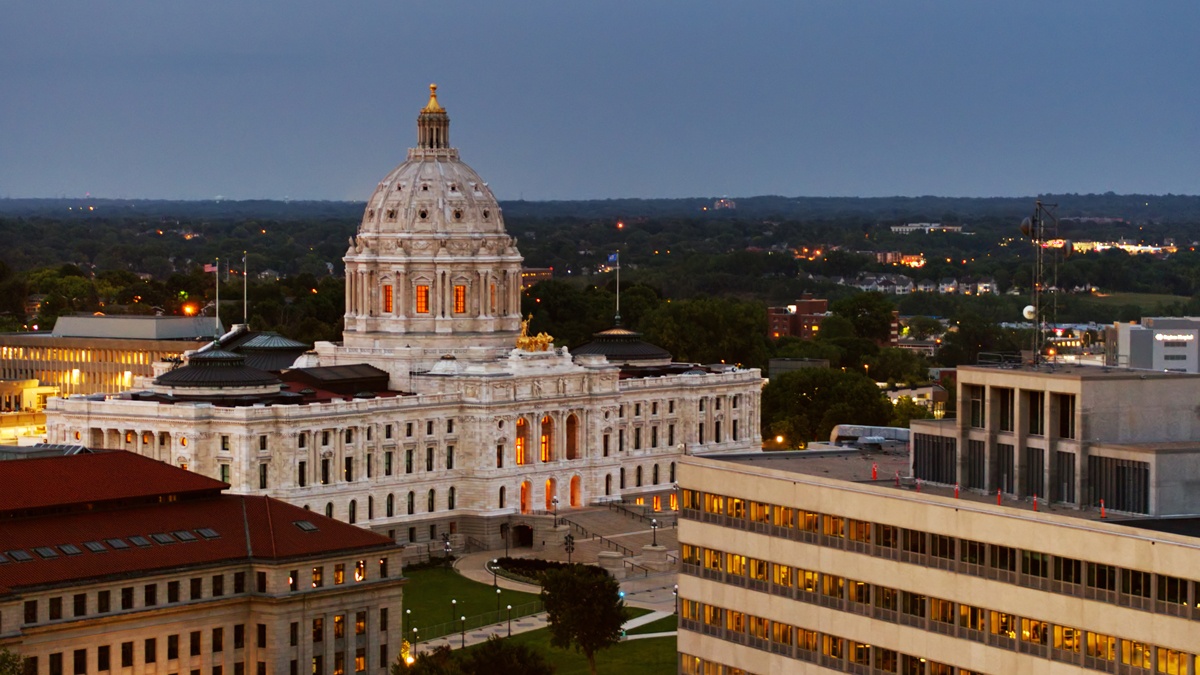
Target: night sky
573 100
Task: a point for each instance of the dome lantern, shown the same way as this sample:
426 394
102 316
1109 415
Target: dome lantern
433 124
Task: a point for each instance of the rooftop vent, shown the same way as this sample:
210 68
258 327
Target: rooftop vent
207 533
94 546
305 525
70 549
20 556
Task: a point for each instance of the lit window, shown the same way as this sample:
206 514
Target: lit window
460 299
360 570
422 299
387 299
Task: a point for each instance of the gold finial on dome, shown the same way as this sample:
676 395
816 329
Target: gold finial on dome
433 106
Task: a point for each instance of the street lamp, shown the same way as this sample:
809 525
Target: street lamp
407 619
555 503
446 548
415 640
569 544
654 529
495 562
510 621
463 627
453 608
675 593
497 603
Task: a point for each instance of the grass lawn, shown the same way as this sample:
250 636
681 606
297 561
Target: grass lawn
663 625
429 591
655 656
1143 300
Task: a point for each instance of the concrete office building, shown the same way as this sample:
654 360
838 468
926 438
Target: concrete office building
801 563
1158 343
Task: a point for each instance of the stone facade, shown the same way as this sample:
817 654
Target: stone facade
476 435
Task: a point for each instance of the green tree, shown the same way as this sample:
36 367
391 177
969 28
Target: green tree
898 365
499 656
808 403
924 327
710 330
11 663
905 410
439 661
871 314
585 610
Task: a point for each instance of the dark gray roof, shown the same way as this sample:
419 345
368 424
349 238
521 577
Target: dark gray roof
620 345
216 368
273 342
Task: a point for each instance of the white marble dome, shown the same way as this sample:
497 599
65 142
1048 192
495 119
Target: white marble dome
433 191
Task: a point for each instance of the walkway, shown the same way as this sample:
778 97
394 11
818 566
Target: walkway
650 593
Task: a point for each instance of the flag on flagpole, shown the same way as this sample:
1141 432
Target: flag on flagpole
210 268
613 257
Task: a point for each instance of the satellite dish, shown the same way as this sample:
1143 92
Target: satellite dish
1029 312
1027 227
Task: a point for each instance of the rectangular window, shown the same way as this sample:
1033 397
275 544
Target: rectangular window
239 636
1064 405
103 658
194 643
150 650
1036 401
218 639
126 654
429 459
56 663
80 662
387 298
218 585
348 471
387 461
225 473
383 619
172 647
302 474
262 476
81 604
449 456
294 634
339 573
318 629
260 582
974 394
172 591
324 472
56 609
127 597
103 602
150 595
339 626
1004 398
360 623
460 300
422 300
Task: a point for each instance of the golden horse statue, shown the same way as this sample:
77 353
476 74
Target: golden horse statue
542 342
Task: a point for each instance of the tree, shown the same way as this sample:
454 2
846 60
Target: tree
808 403
871 314
499 656
11 663
585 610
924 327
440 661
906 410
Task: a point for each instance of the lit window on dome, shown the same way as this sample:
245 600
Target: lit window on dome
486 214
457 214
425 188
454 187
391 214
423 214
399 187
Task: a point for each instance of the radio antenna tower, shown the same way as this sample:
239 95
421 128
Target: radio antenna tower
1042 229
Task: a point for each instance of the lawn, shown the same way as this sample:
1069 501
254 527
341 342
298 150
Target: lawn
654 656
1144 300
429 592
663 625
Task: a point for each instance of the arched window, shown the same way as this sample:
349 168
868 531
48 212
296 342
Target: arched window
622 478
450 500
655 474
551 492
572 437
608 485
522 441
391 505
499 456
576 496
329 510
353 511
412 503
431 501
546 446
672 472
526 497
639 476
502 496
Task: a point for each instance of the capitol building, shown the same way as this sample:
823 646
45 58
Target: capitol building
438 413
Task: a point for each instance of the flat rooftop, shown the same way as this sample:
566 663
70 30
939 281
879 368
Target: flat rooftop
1074 371
855 465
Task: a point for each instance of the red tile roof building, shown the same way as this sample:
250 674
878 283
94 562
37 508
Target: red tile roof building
116 561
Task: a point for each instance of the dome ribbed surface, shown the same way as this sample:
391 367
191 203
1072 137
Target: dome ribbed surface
216 368
620 345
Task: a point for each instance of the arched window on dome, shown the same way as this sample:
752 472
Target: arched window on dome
460 299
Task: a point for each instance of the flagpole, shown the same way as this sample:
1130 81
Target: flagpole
618 287
217 325
245 292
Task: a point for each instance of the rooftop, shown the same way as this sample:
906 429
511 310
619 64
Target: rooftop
137 327
1074 371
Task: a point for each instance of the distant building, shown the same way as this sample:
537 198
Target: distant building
925 228
125 564
800 319
534 275
1159 343
101 354
724 203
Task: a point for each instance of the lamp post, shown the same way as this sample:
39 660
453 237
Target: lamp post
446 548
407 619
463 631
675 593
495 562
654 529
569 544
555 503
453 608
510 621
415 640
